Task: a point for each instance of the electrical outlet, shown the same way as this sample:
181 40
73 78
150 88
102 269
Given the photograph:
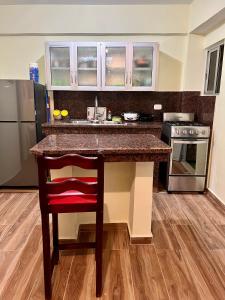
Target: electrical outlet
157 106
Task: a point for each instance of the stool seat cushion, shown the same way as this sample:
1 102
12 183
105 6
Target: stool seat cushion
72 197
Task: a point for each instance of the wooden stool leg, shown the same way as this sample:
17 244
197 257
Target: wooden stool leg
99 240
55 238
46 255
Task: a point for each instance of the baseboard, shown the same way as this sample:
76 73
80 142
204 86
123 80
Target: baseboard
218 201
140 240
116 227
106 227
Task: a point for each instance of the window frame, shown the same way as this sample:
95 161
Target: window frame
209 51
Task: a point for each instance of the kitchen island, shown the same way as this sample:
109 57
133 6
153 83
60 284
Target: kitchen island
129 162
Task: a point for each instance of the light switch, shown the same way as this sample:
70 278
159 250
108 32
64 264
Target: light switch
157 106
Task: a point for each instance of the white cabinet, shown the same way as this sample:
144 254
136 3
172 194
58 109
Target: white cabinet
144 65
59 66
87 66
73 66
129 66
114 66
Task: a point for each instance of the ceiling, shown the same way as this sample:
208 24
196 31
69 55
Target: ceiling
93 2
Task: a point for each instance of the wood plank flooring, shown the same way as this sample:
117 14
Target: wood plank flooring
185 261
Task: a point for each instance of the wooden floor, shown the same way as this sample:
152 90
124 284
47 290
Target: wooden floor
185 261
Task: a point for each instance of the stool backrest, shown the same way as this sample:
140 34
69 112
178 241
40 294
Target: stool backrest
46 163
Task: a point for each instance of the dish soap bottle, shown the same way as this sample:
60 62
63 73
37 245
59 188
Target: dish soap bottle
109 115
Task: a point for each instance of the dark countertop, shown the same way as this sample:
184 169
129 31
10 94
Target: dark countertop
60 127
114 147
64 124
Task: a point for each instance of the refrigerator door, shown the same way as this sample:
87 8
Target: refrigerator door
20 168
8 101
25 100
10 160
41 108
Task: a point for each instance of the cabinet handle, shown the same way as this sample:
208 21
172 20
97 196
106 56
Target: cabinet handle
75 77
130 78
71 78
126 78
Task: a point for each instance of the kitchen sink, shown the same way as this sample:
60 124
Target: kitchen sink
87 122
80 122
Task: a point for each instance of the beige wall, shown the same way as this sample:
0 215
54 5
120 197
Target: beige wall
217 172
25 28
193 77
18 51
96 19
194 64
202 10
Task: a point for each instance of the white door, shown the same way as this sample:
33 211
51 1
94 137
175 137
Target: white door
143 67
115 66
87 66
59 66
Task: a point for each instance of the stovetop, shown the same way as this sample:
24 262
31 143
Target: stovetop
178 123
185 130
182 125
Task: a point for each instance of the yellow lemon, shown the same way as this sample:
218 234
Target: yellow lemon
56 112
64 113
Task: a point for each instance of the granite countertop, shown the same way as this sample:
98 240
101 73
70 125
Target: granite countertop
64 124
127 145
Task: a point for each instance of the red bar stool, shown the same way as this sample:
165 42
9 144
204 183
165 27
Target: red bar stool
67 195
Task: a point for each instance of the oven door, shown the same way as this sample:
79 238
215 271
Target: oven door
188 157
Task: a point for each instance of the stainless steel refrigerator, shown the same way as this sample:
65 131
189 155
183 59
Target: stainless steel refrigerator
22 111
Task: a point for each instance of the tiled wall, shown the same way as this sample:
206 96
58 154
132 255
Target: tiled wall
118 102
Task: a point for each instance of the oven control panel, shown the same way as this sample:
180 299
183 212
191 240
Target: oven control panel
190 132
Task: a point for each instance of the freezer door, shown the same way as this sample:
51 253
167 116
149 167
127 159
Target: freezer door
25 100
8 101
19 165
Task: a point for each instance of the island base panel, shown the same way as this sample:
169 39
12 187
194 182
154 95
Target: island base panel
127 199
140 213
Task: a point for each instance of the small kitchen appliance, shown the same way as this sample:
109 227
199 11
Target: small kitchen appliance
189 140
130 116
144 117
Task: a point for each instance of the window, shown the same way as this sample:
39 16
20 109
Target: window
214 69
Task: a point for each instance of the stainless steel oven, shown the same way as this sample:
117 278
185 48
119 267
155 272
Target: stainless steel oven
188 164
187 169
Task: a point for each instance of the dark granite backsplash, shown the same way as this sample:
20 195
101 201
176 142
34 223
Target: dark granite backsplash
118 102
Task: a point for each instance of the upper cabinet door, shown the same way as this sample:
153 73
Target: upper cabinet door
87 66
115 66
110 66
60 75
144 61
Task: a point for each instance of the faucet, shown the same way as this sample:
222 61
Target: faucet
96 115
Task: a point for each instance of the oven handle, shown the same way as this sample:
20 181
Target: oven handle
190 142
